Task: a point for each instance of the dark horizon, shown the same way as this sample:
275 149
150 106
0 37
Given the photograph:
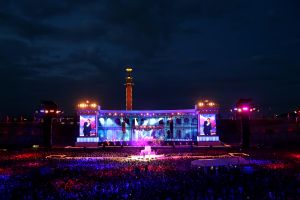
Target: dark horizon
180 52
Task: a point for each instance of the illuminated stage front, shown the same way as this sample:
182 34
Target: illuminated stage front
143 127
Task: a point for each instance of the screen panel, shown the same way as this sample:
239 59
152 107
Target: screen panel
87 126
207 124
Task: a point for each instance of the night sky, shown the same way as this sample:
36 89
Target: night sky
181 51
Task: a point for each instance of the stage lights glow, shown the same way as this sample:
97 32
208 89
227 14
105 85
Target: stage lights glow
206 104
87 105
244 109
52 111
200 104
244 106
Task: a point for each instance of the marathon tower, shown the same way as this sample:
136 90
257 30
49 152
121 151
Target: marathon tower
129 84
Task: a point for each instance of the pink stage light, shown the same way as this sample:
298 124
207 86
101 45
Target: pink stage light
245 108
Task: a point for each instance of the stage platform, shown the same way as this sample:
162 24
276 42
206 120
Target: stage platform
203 141
87 142
209 141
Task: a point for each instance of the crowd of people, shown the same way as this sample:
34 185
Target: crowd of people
35 177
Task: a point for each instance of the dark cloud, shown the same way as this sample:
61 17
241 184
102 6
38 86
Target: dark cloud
180 51
17 25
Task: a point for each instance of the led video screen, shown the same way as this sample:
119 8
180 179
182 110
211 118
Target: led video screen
110 129
207 124
87 125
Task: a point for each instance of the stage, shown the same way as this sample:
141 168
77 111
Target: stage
195 126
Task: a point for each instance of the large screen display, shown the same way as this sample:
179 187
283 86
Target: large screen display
207 124
141 128
111 129
87 125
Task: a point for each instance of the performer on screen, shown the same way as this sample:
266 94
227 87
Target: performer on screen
207 127
87 127
123 124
